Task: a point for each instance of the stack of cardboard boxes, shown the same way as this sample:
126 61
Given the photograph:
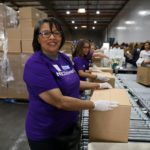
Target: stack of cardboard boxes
14 40
8 19
20 38
19 49
28 18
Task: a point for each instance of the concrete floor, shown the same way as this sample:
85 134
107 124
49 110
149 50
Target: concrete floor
12 118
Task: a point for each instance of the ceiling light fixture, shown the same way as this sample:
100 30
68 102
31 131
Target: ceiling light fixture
97 12
72 21
144 12
93 28
76 27
95 21
129 22
68 12
81 10
83 26
121 28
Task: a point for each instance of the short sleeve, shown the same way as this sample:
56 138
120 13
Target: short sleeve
38 77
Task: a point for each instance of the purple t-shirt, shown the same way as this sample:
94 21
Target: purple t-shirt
42 74
81 63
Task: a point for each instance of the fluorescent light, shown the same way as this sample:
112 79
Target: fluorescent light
72 21
81 10
67 12
76 27
93 27
83 26
129 22
144 12
95 21
97 12
121 28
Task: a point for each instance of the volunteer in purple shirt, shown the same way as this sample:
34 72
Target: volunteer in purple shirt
53 87
82 58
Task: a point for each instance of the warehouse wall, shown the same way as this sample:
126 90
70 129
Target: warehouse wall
138 32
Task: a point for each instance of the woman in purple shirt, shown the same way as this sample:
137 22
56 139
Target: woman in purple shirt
53 87
82 59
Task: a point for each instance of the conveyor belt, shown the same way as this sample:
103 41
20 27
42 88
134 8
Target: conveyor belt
84 130
138 91
139 97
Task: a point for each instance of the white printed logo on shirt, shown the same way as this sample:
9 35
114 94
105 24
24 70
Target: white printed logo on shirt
57 67
65 67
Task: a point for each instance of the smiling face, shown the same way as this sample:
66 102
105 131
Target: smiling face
147 46
86 48
49 39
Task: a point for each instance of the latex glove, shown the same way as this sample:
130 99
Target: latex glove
105 105
105 85
102 78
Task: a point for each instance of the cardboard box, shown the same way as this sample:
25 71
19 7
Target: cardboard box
103 69
67 47
143 75
17 88
27 33
43 15
24 23
29 13
106 69
3 91
14 46
113 125
107 74
27 47
13 33
1 45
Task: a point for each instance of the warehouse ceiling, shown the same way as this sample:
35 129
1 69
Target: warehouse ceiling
108 9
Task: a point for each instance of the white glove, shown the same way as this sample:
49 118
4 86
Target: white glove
105 105
105 85
102 78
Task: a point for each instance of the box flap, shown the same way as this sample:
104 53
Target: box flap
107 74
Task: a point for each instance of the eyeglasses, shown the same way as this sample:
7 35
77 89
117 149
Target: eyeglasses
47 34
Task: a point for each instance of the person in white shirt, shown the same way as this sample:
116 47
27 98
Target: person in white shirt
144 58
